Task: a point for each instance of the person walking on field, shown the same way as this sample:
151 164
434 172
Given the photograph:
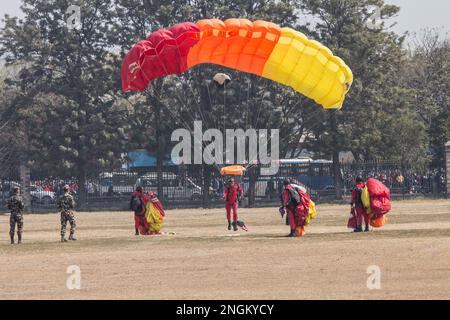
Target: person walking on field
232 195
358 206
138 204
66 204
15 205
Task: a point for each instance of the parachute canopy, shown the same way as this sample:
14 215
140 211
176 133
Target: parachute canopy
262 48
233 171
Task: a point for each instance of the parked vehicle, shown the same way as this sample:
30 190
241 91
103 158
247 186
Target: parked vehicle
39 195
116 183
173 185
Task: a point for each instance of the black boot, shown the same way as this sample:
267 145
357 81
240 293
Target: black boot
63 239
358 229
367 228
72 237
137 232
19 236
292 234
235 228
12 239
229 225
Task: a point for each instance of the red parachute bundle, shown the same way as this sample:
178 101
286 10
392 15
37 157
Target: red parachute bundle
380 202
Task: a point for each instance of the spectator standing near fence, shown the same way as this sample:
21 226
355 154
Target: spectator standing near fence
67 204
15 205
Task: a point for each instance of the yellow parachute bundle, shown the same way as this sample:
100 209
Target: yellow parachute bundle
154 218
365 198
312 213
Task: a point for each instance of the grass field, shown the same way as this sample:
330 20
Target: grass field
203 260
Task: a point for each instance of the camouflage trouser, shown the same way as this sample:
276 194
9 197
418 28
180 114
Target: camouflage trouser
13 220
67 216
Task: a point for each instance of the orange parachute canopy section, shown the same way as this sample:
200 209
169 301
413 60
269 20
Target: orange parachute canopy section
233 170
262 48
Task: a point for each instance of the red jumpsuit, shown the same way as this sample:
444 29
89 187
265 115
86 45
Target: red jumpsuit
139 217
231 195
360 210
297 214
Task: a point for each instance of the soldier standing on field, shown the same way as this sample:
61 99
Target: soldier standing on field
67 204
16 205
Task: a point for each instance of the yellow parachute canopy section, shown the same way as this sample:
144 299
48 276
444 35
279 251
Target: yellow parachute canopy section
233 170
309 68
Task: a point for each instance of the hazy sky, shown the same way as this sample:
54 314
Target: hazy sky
414 15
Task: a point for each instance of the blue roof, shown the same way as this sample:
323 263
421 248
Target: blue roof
141 158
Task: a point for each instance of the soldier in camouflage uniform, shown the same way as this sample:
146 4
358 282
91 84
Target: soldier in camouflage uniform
67 204
16 205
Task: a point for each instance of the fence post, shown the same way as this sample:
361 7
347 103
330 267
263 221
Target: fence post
447 166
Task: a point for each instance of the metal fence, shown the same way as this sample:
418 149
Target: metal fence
187 186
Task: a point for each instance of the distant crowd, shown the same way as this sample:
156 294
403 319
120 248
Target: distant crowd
431 181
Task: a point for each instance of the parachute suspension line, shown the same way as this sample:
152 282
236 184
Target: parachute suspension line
260 103
203 116
187 127
224 104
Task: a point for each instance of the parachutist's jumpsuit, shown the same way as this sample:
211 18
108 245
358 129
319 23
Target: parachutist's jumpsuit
360 210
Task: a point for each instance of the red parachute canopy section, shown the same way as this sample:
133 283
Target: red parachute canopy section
380 198
163 52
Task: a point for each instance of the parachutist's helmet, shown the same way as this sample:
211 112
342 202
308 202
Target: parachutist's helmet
231 181
359 179
138 189
286 182
221 79
16 190
66 188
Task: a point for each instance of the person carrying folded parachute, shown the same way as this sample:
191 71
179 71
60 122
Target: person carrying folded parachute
298 206
138 204
357 206
154 215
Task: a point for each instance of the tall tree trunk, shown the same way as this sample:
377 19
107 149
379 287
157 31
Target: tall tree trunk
251 187
206 185
337 175
82 196
159 154
24 172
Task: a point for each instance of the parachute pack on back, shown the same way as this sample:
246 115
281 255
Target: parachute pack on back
136 204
